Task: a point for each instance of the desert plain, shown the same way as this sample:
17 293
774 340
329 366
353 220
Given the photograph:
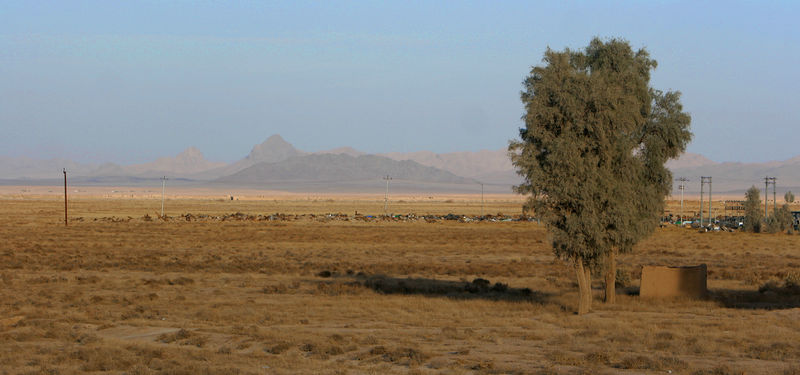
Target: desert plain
288 284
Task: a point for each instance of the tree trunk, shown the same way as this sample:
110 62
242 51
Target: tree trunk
584 287
587 272
611 278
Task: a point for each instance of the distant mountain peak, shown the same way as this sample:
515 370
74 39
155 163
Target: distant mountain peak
274 149
191 154
275 138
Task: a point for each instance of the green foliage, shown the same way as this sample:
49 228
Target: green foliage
622 278
594 145
788 197
752 210
783 217
771 224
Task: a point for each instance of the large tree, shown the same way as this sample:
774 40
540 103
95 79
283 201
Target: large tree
592 153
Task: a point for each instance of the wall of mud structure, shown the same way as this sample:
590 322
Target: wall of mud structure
660 281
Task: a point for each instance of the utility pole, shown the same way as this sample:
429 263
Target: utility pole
774 197
682 187
710 208
706 180
163 188
66 222
766 199
702 184
386 196
481 199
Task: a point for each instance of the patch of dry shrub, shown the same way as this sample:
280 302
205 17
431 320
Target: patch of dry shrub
597 358
279 348
103 359
178 335
778 351
642 362
719 370
405 356
566 358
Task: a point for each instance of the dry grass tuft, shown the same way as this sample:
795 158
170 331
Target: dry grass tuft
179 335
642 362
719 370
278 348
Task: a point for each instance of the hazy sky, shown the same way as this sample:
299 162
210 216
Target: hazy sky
130 81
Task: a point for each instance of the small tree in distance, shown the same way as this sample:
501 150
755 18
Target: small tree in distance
783 217
752 210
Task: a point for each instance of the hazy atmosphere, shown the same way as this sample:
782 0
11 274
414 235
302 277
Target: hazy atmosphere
408 187
96 81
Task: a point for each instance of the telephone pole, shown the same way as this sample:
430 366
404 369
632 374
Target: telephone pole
703 181
766 199
774 197
66 222
682 187
710 208
163 188
481 199
702 184
386 196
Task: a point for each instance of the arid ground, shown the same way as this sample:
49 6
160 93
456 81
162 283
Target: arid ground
120 291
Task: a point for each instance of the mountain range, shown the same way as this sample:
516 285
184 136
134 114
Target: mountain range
276 164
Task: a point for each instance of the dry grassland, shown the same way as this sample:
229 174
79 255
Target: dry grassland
130 296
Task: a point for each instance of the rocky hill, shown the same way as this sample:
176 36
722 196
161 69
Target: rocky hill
339 168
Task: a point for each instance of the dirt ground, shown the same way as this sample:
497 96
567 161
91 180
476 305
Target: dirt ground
120 291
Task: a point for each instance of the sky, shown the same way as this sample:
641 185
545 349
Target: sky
130 81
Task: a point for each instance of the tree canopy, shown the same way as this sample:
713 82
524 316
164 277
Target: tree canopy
753 215
593 148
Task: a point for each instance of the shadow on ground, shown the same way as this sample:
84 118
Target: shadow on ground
477 289
768 297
